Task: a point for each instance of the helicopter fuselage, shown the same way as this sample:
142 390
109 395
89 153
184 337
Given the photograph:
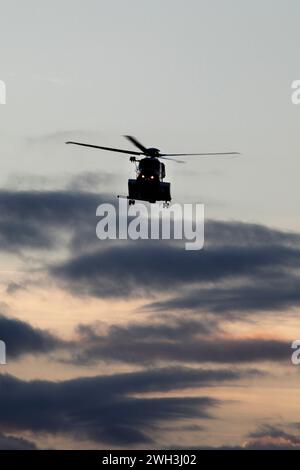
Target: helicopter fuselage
149 185
151 169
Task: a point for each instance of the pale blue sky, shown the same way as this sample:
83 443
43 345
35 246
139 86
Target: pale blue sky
183 76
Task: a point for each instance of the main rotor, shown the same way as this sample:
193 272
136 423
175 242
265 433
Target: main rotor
150 152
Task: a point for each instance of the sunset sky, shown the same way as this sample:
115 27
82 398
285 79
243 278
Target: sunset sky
142 344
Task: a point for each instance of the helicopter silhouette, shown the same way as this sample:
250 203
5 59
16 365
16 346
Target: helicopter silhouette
149 184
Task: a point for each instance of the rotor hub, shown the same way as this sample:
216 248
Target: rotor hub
153 152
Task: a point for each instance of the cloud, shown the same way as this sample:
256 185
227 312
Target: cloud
266 437
34 220
15 443
237 233
21 338
244 268
107 408
256 260
247 257
187 341
272 437
144 267
171 342
256 295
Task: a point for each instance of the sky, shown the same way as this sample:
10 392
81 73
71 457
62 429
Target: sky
134 344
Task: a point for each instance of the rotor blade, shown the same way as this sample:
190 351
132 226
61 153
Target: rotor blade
105 148
199 154
136 143
171 159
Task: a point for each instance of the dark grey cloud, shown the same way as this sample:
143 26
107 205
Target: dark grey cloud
170 342
256 295
146 267
276 437
21 338
176 342
47 206
15 443
233 252
37 219
273 431
265 437
106 408
247 234
28 216
244 268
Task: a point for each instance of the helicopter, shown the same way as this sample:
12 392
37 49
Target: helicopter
149 184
